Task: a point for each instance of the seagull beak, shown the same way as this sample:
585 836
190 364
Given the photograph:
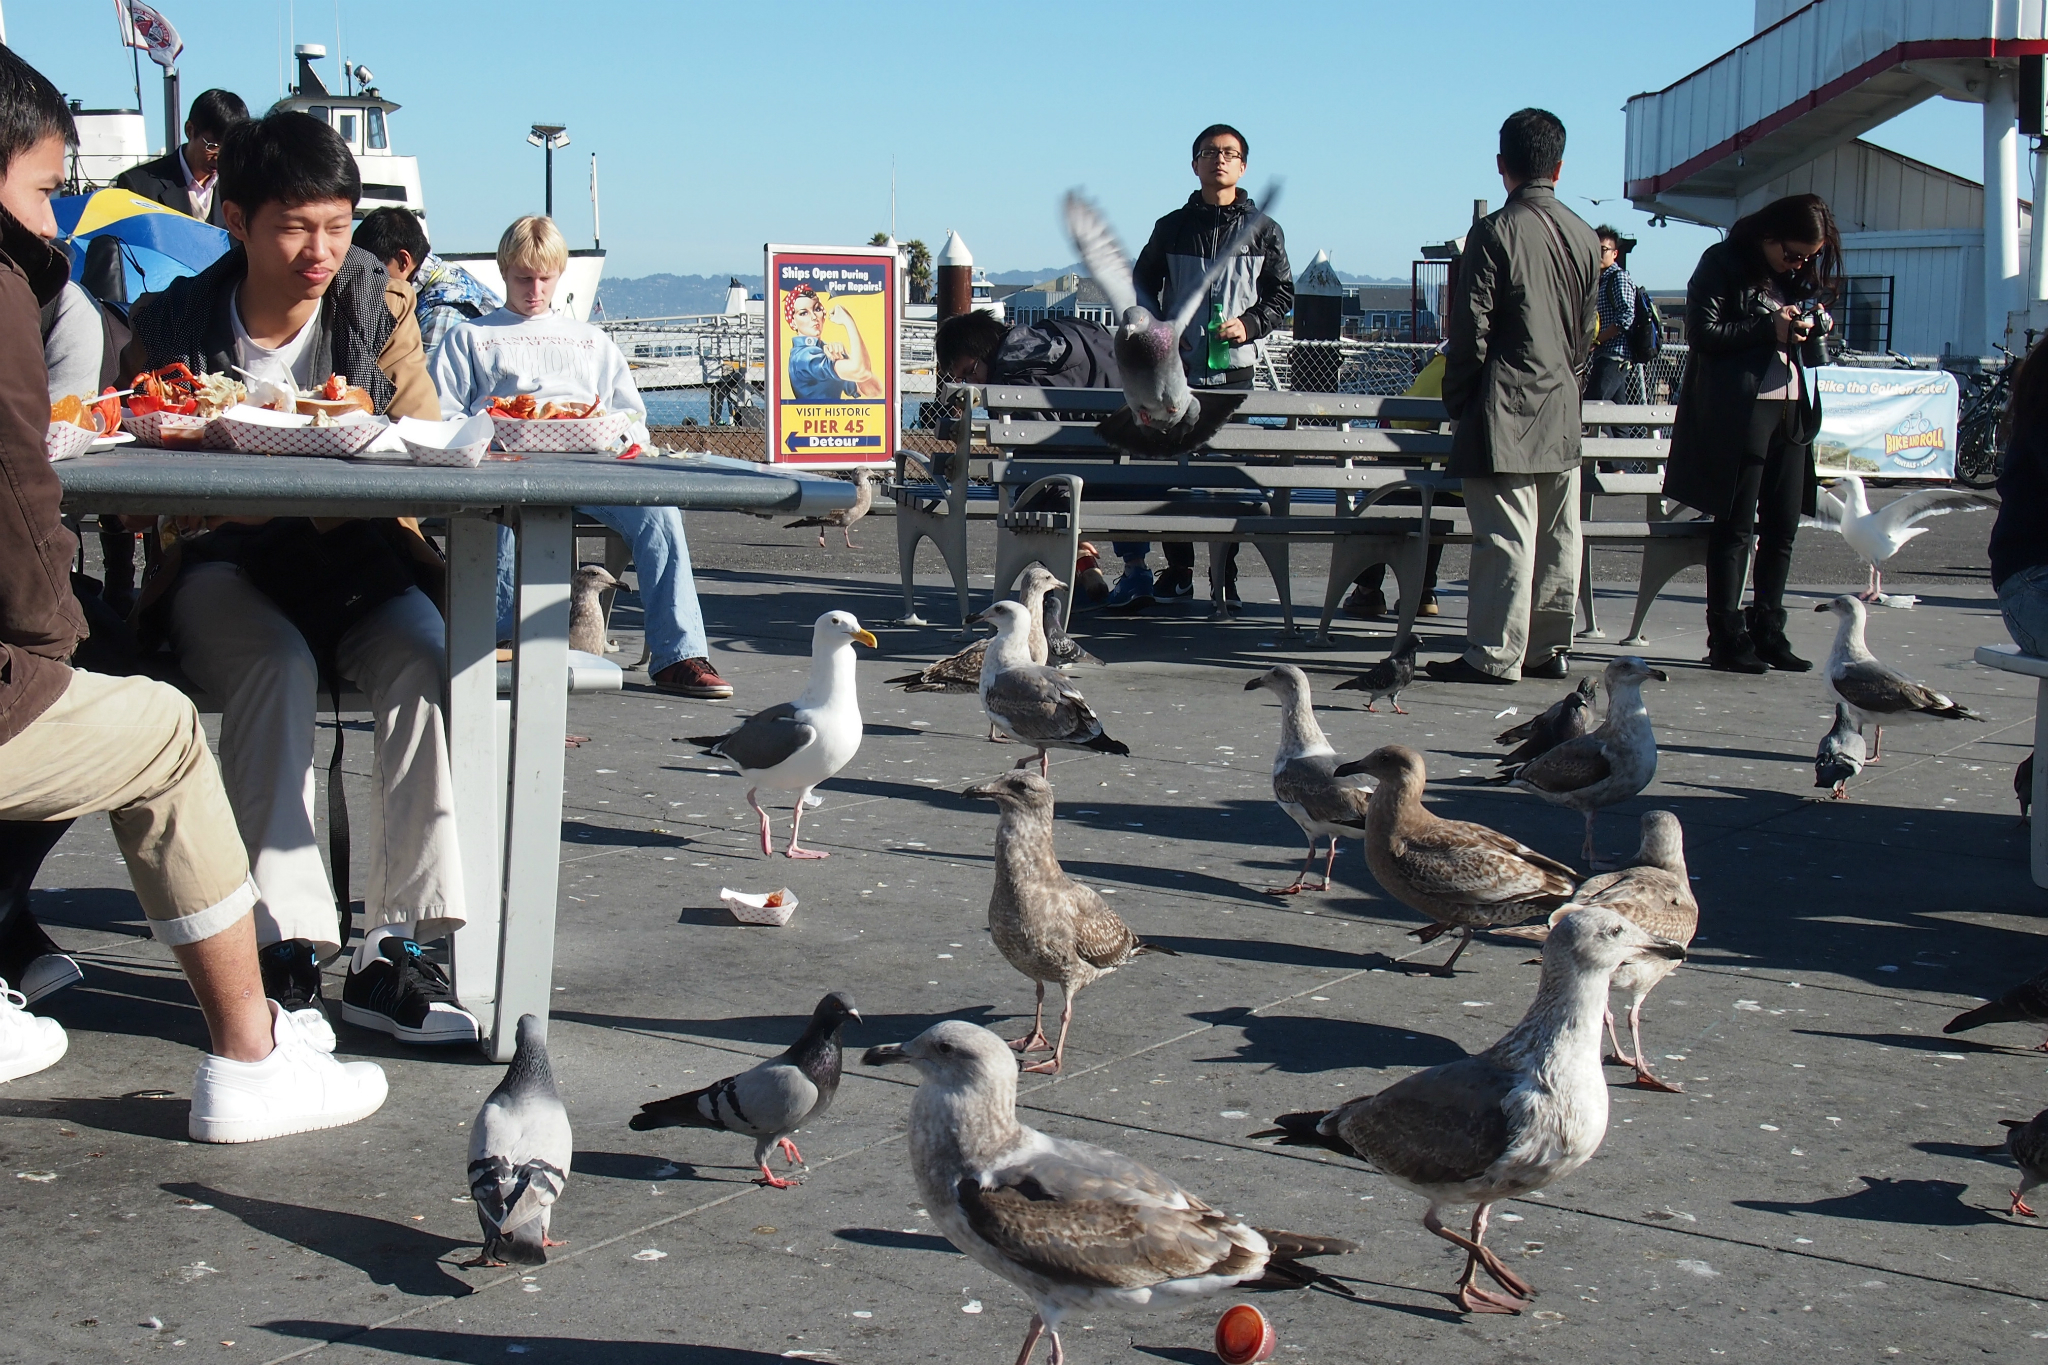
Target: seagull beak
1351 769
1824 606
864 637
884 1055
1256 683
1665 948
985 789
1660 675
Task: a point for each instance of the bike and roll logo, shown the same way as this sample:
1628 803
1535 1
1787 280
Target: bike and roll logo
1915 442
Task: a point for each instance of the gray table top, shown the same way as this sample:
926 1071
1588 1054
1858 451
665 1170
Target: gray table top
220 483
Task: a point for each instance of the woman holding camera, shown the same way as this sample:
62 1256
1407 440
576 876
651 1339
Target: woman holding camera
1742 444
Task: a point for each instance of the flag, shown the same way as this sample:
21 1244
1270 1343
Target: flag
143 27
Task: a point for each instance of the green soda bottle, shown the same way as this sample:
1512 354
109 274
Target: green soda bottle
1219 349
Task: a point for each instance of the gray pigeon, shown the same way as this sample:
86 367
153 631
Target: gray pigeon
1566 719
2026 1003
771 1101
1840 756
1387 677
1161 416
519 1151
2028 1143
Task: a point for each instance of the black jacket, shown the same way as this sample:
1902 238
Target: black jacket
1258 286
1733 338
163 180
1058 353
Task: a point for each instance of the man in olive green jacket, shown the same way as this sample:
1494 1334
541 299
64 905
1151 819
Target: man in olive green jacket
1521 329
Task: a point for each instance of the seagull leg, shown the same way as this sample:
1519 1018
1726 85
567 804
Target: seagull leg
767 848
484 1259
1035 1041
847 531
1644 1080
1463 942
1059 1052
796 821
1469 1296
1877 749
1059 1352
1619 1058
1031 1340
1593 863
1045 771
2019 1206
821 537
1300 882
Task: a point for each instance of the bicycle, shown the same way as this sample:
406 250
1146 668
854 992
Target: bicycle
1980 434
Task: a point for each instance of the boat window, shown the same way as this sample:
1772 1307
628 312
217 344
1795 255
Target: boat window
378 142
318 111
345 124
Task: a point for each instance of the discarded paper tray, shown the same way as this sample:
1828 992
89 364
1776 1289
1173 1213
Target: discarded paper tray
773 907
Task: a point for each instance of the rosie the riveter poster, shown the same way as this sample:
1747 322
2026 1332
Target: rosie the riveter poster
832 355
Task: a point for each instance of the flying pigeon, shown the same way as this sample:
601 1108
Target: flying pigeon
1517 1117
1567 718
1840 756
1387 677
2026 1003
1030 702
1877 536
1161 417
1304 777
770 1102
1608 766
2028 1143
795 745
844 517
1874 694
1075 1226
519 1152
586 608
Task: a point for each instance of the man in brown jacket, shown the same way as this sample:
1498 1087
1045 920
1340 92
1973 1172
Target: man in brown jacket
73 743
1520 332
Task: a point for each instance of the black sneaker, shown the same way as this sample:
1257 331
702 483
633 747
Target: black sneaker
407 996
291 973
1175 582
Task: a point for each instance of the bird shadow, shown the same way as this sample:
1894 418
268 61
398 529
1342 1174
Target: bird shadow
780 1030
1262 950
1306 1044
871 730
1927 1203
896 1241
475 1348
1992 1154
1914 1042
146 1114
581 831
406 1258
635 1166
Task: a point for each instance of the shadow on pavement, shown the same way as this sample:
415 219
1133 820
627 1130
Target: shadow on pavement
423 1344
406 1258
780 1030
1305 1044
144 1114
1263 950
897 1241
1928 1203
637 1166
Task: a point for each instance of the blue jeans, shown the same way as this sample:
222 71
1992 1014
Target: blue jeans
668 590
2023 601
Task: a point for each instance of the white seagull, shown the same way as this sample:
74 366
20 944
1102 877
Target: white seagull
1874 694
1304 777
1877 536
1030 702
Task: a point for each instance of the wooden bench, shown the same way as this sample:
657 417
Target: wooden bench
2008 659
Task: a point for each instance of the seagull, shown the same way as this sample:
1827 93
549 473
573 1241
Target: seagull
1304 777
795 745
1049 926
844 517
1840 756
1161 416
1874 694
1877 536
1075 1226
1517 1117
769 1102
1030 702
586 608
1387 677
1608 766
2028 1143
2026 1003
1567 718
519 1152
962 672
1463 876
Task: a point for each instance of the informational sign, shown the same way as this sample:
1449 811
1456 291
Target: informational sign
833 330
1888 424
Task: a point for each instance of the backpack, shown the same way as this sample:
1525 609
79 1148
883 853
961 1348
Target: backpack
1646 333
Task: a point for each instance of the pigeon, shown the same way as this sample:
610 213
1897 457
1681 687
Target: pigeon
1075 1226
1463 876
2028 1143
795 745
1877 536
1161 417
962 672
1030 702
845 517
1061 649
586 608
1304 777
1840 756
519 1152
1874 694
1049 926
769 1102
2026 1003
1517 1117
1387 677
1608 766
1567 718
2023 787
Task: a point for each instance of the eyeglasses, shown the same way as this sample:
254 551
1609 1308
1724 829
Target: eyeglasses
1795 259
1218 154
208 143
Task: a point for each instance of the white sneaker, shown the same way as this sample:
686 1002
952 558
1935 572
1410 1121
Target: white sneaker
314 1028
47 975
28 1044
296 1089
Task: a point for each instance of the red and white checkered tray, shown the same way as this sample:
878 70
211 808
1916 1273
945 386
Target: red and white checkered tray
67 441
259 431
175 431
561 435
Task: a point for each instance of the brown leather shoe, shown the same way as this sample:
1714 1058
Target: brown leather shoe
693 678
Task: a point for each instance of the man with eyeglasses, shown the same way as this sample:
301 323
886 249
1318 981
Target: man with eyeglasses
184 177
1252 297
1607 381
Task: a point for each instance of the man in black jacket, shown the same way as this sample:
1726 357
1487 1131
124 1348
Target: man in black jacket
184 177
1058 353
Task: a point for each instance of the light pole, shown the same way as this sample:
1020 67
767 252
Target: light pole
549 137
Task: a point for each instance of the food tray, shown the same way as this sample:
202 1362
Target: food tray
560 435
175 431
749 908
256 436
454 445
67 441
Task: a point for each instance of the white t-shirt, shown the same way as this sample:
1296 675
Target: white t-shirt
556 359
295 358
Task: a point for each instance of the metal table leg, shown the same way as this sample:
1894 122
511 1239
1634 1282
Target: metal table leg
472 752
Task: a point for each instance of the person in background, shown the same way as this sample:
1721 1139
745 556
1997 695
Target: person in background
1367 600
525 348
1607 381
2019 538
73 742
1742 439
186 178
444 294
1520 330
293 299
1253 297
1059 353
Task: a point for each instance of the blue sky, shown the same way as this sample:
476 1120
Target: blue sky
722 126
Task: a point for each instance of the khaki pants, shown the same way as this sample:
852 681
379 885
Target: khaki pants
1525 570
133 747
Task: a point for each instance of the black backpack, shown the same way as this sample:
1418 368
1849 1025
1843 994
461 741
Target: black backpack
1646 333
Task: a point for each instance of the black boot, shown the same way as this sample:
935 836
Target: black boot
1728 644
1767 637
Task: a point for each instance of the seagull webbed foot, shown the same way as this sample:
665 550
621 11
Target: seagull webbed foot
548 1241
1645 1081
1473 1299
493 1264
1035 1041
1296 888
1049 1067
795 852
776 1182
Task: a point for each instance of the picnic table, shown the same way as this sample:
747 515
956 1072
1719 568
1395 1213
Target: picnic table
509 827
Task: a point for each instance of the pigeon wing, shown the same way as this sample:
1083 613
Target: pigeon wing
1437 1127
1872 688
1197 298
768 1101
1102 253
768 738
1571 766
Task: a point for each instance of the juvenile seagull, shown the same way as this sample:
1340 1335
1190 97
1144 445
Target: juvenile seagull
795 745
769 1102
586 608
1075 1226
519 1151
844 517
1049 926
962 672
1517 1117
2026 1003
1874 694
1304 777
1877 536
1608 766
1464 876
1840 756
1030 702
1388 677
1161 415
2028 1143
1567 718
